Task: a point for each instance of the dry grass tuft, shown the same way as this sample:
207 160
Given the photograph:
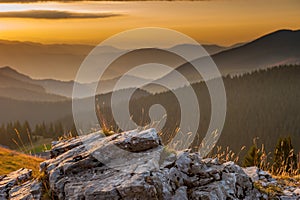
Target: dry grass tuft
12 160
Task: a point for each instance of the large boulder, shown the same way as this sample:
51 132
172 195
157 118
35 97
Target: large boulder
135 165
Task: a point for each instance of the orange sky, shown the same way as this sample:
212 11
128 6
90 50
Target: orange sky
221 22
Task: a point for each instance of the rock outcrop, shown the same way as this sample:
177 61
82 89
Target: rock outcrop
135 165
19 185
265 180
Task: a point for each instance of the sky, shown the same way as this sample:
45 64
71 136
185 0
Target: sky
222 22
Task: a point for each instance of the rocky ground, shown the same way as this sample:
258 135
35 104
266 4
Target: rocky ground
135 165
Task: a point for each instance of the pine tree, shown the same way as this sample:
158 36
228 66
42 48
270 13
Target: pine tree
253 156
26 127
58 129
43 130
26 132
37 129
285 159
51 131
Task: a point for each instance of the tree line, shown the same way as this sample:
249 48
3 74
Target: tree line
263 104
15 133
284 158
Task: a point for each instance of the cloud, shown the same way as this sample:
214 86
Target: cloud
52 14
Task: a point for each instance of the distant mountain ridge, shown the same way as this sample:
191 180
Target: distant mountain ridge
281 47
12 82
17 86
277 48
57 60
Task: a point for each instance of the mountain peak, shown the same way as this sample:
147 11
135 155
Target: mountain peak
284 31
8 69
13 73
285 35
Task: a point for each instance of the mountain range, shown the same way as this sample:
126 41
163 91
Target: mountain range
59 61
281 47
277 48
21 87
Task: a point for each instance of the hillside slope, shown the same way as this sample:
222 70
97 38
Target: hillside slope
18 86
278 48
12 160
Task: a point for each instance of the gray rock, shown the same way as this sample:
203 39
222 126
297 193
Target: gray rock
162 184
288 198
107 167
288 193
183 162
167 160
126 166
135 165
60 147
135 141
180 193
214 161
9 181
252 172
297 191
28 190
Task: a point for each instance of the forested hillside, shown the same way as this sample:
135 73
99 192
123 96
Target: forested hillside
263 104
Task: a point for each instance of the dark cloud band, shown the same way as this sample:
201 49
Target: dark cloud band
52 14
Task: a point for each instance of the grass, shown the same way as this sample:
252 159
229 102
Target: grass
41 145
271 190
12 160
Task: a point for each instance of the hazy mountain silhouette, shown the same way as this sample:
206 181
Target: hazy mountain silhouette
17 86
59 61
277 48
11 78
210 48
21 87
65 88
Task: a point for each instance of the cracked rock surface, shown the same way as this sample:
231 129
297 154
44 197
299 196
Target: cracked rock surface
135 165
130 165
19 186
289 191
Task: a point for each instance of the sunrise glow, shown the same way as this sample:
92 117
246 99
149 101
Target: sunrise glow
206 21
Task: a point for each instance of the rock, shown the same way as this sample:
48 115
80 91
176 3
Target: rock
167 160
252 172
106 167
265 179
126 166
183 162
135 141
60 147
288 193
28 190
257 174
135 165
9 181
288 198
297 191
180 193
214 161
161 182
